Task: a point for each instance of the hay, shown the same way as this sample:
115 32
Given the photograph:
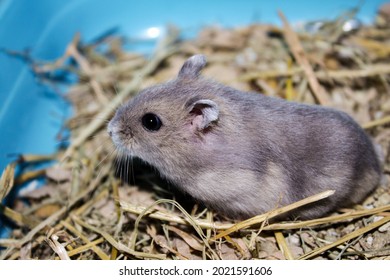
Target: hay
84 211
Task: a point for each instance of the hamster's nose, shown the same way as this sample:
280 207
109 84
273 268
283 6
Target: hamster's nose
109 130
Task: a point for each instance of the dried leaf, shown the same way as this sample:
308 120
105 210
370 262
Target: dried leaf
189 239
227 252
162 242
183 248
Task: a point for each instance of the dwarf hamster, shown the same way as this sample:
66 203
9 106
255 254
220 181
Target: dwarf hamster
241 153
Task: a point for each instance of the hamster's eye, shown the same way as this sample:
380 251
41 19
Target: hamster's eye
151 122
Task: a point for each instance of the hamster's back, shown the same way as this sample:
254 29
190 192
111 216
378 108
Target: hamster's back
312 147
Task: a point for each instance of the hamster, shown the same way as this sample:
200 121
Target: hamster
243 154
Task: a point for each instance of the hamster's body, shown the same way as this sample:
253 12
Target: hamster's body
243 154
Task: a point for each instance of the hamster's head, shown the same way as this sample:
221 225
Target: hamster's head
163 124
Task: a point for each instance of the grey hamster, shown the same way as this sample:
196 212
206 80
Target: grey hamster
243 154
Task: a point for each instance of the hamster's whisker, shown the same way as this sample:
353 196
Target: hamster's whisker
120 167
127 169
116 162
132 168
110 153
99 166
99 170
105 141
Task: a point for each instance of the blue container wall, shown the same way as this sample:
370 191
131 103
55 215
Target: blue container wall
31 114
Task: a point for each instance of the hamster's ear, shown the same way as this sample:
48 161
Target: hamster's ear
203 113
192 66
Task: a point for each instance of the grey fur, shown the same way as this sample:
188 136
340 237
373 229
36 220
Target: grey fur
256 153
